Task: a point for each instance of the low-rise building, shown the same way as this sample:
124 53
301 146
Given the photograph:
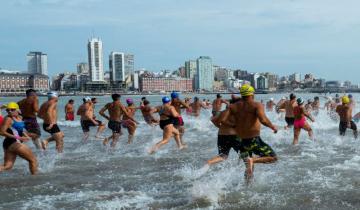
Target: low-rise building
18 82
157 84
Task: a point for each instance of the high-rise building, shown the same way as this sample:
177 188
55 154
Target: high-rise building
82 68
95 56
295 77
190 69
37 63
204 79
121 68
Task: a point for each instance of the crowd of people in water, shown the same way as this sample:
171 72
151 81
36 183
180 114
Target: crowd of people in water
239 125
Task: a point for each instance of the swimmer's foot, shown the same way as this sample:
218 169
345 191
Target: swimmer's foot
100 137
106 141
152 151
44 144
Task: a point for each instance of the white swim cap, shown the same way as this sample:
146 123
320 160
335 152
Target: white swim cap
271 99
52 94
87 98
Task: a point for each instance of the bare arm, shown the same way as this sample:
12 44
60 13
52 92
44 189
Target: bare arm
127 114
184 105
102 112
36 105
263 118
173 112
308 115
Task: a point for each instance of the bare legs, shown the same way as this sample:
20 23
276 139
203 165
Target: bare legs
35 138
115 138
298 130
100 129
59 140
24 152
168 132
250 162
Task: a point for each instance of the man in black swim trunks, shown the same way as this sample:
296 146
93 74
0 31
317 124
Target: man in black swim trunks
249 115
87 119
227 139
116 112
29 107
48 112
289 105
345 112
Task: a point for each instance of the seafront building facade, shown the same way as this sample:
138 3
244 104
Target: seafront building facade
160 84
204 78
121 67
37 63
18 82
95 57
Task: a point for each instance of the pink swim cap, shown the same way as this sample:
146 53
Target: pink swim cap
129 101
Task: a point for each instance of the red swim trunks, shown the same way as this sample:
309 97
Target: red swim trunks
70 116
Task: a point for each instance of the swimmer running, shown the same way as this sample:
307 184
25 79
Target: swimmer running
167 115
249 115
300 114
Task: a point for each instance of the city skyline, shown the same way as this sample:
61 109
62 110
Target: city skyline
281 37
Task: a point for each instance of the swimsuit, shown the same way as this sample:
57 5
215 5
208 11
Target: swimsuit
225 143
299 123
290 121
70 116
1 119
178 121
343 126
86 124
31 125
164 123
115 126
16 129
55 129
254 145
125 123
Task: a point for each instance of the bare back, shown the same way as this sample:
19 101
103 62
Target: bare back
29 107
345 113
48 112
115 111
247 124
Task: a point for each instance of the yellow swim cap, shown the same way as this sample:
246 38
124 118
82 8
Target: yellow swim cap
247 90
12 105
345 100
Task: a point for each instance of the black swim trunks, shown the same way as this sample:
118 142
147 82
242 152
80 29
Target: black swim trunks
115 126
256 146
31 125
343 126
86 124
55 129
164 123
290 121
226 142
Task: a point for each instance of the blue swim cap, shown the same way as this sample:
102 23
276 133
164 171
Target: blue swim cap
165 100
174 95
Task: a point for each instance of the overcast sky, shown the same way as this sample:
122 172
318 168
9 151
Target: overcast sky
281 36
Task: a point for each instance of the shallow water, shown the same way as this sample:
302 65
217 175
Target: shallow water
313 175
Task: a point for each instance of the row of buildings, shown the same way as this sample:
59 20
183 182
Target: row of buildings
196 75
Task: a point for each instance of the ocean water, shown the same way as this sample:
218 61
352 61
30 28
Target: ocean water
320 174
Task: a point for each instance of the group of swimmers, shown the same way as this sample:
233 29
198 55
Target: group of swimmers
239 125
